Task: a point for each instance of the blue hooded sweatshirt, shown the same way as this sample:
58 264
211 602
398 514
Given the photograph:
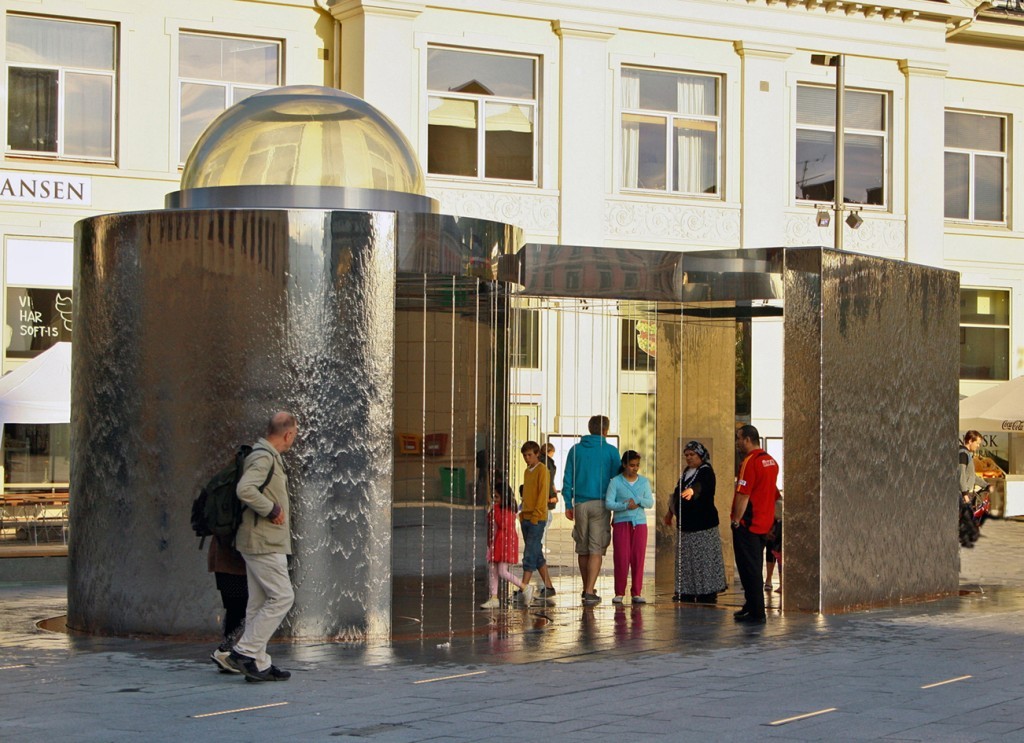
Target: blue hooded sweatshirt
589 467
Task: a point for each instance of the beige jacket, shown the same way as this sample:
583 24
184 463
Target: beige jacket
257 535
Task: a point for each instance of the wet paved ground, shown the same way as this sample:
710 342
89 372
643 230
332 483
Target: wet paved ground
945 670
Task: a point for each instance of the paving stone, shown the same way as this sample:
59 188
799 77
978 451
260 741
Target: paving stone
684 673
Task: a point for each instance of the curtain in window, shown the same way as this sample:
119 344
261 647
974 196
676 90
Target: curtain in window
695 140
630 85
32 110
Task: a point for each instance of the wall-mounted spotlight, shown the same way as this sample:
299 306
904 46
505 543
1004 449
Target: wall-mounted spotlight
823 218
854 220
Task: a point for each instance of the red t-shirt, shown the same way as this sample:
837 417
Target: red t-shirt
757 478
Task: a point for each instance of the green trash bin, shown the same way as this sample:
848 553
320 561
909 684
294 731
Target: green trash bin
453 483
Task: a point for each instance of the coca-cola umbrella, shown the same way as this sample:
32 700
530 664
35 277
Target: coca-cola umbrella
999 408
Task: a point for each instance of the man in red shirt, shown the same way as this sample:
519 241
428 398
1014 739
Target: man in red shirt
752 515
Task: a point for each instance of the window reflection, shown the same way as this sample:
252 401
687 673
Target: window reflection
216 72
481 115
865 144
975 167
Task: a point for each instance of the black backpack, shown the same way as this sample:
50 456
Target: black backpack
216 511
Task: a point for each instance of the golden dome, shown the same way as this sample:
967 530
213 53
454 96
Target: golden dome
304 135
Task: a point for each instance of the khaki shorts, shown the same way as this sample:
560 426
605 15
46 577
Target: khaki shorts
591 530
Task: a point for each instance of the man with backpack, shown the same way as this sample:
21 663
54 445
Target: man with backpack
264 540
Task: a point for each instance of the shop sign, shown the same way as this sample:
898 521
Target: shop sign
38 318
45 188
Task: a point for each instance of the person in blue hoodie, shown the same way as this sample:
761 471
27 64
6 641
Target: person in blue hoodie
589 467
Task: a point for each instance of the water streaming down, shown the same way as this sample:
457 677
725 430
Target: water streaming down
448 364
233 316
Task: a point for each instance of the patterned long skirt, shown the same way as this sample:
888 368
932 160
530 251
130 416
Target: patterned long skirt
699 566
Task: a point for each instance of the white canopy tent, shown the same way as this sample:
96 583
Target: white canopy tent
40 390
999 408
37 392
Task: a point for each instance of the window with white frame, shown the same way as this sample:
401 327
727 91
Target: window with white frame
984 334
670 131
865 145
481 115
215 72
975 162
61 78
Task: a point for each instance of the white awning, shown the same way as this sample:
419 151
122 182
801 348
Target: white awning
40 390
999 408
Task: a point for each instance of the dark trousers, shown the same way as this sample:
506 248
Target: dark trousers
749 551
234 595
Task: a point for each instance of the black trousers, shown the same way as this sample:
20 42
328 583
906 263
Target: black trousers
234 594
749 551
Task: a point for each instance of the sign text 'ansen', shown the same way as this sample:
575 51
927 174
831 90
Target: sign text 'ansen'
45 187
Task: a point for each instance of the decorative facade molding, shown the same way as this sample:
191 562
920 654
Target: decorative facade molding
678 223
880 235
344 9
900 10
534 212
763 51
923 69
566 29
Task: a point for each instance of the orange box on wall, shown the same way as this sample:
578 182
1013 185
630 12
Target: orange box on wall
409 443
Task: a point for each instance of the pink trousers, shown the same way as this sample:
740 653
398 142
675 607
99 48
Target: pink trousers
501 570
630 547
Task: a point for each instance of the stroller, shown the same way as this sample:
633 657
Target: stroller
974 509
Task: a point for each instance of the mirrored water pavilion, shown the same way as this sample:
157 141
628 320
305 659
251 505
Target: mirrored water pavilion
302 266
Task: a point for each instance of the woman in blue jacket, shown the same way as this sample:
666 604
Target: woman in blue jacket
629 493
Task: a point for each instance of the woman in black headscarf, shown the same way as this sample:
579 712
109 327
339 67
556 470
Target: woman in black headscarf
700 571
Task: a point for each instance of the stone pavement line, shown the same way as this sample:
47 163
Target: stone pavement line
240 709
947 681
804 716
449 678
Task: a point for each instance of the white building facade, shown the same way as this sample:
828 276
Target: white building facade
674 124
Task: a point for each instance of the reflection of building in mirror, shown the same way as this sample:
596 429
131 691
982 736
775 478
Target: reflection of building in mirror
36 453
774 446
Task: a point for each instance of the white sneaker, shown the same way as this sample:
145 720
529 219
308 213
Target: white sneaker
639 600
491 603
617 600
527 596
220 657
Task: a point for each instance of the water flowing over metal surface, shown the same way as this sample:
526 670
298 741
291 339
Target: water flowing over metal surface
390 335
194 326
870 427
